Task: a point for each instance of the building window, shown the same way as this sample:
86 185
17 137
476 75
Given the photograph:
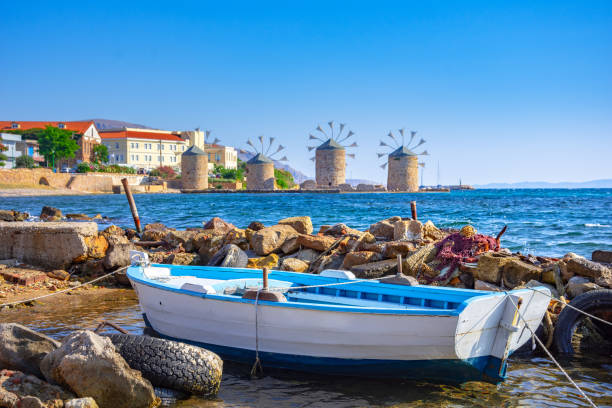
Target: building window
158 147
183 147
116 145
162 147
217 157
15 125
162 158
61 126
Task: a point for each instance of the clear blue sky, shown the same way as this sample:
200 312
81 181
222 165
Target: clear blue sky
502 91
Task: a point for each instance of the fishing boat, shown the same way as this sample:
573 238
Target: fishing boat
333 323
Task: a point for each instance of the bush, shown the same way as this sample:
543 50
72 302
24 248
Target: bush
284 179
165 172
25 162
86 167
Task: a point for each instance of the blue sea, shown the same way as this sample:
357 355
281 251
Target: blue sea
548 222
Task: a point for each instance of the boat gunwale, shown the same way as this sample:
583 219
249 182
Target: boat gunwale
135 273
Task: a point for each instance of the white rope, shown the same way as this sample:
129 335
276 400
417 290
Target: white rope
549 353
575 308
257 362
63 290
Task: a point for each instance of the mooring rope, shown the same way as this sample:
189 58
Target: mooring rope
18 302
533 335
257 363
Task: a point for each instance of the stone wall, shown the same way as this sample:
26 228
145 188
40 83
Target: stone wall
194 172
260 176
330 167
403 174
226 185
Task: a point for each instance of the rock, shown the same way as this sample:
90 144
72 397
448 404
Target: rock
131 233
86 402
308 185
182 258
324 228
290 246
21 390
50 214
270 261
481 285
333 261
12 215
307 255
271 239
551 274
378 247
23 349
579 285
293 265
79 217
395 248
534 284
359 258
490 266
602 256
59 274
153 235
230 256
181 239
256 226
431 232
96 247
118 252
89 365
208 243
217 224
412 263
113 230
338 230
517 272
383 229
303 225
319 243
375 269
30 401
565 274
52 245
583 267
467 279
237 237
411 230
93 267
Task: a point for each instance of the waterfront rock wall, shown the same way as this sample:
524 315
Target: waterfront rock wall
194 172
90 182
330 167
260 176
403 174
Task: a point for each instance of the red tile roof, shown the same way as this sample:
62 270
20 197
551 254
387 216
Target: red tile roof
137 134
75 126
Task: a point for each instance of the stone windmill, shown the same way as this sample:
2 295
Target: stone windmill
194 163
330 155
260 168
403 162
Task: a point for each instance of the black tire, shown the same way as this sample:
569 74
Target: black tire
593 302
170 364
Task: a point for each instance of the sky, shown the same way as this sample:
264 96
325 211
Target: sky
502 91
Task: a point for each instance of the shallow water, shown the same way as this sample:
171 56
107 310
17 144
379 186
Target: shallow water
532 380
544 222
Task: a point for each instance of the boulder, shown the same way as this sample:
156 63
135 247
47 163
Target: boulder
290 246
565 274
395 248
86 402
359 258
375 269
23 349
583 267
21 390
324 228
181 238
89 365
383 229
118 252
431 232
378 247
270 261
256 226
517 272
308 185
599 256
307 255
79 217
579 285
319 243
12 215
271 239
96 247
482 285
217 224
237 237
490 266
293 265
113 230
230 256
208 243
411 230
182 258
59 274
338 230
332 261
50 214
303 225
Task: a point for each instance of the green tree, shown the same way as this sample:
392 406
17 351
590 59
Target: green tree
3 157
55 144
100 153
284 179
25 162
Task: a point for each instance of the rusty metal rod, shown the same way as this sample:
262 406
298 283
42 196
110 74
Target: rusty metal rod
132 204
498 238
265 278
399 265
413 209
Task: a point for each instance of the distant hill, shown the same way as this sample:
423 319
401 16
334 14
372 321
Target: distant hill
602 183
298 176
114 124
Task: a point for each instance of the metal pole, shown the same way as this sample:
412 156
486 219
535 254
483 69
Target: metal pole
399 265
413 209
265 278
132 204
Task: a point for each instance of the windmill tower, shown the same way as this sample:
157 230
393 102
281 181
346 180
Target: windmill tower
330 155
403 171
194 165
260 169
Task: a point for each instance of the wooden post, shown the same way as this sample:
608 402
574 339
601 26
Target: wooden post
132 204
413 209
265 278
